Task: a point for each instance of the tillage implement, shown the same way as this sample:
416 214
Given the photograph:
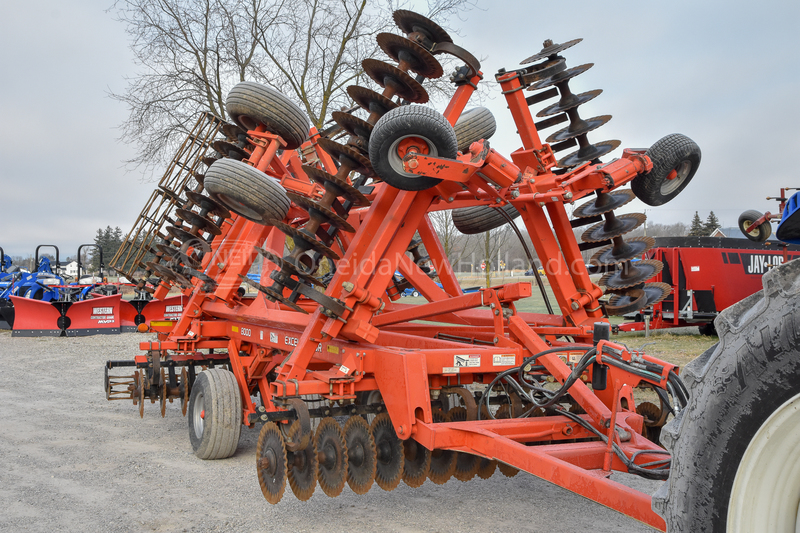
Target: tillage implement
353 387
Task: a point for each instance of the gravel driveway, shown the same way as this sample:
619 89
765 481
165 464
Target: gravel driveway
72 461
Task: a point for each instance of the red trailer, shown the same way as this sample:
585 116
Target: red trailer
707 275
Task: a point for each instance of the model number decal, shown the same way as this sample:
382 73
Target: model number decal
246 332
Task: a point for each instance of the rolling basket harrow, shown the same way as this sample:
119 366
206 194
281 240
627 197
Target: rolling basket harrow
459 386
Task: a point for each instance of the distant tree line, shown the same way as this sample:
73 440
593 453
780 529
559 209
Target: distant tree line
700 229
109 240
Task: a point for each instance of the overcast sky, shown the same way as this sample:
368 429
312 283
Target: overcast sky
724 73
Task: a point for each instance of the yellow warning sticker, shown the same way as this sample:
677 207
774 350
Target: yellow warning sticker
333 349
235 329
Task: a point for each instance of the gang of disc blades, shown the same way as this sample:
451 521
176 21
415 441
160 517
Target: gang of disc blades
605 202
629 302
361 455
308 241
352 124
613 227
302 466
410 22
549 51
371 101
209 204
578 128
347 156
321 211
271 463
614 254
392 78
588 153
631 274
417 58
574 100
339 186
561 77
389 467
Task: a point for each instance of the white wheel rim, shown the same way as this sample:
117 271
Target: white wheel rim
197 414
766 491
683 169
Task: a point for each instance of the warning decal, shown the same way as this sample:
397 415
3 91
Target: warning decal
466 360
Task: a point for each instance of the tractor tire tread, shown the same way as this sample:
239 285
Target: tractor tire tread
732 388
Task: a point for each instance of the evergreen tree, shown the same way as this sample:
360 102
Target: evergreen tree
712 223
697 229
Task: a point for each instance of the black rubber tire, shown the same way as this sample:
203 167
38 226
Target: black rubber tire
481 218
247 191
673 152
215 395
707 329
473 125
250 103
734 387
759 234
409 121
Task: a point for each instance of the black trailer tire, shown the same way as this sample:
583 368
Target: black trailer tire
473 125
247 191
761 232
215 414
408 123
725 447
250 104
674 152
481 218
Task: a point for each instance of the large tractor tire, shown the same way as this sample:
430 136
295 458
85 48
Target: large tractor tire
481 218
473 125
406 129
250 104
215 414
675 160
735 453
761 232
247 191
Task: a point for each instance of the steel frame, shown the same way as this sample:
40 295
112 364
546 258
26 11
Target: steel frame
376 343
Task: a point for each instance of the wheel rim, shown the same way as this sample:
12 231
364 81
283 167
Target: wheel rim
402 146
755 231
682 171
198 409
766 491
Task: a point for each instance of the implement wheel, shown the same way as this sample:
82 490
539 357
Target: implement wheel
405 130
482 218
761 232
250 104
735 459
675 161
215 414
473 125
247 191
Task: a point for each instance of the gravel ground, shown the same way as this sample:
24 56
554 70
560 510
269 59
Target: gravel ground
72 461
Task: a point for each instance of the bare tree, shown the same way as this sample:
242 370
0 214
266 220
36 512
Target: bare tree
191 52
493 243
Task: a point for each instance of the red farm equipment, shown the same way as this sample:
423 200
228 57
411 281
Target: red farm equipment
706 275
458 386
